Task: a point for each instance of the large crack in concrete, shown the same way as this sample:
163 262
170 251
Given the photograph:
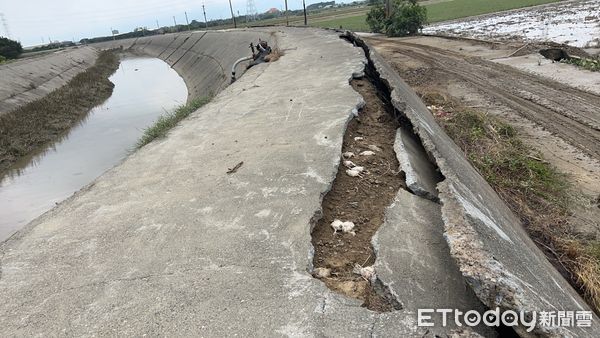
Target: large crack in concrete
500 277
366 183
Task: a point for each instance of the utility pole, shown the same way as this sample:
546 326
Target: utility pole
233 16
174 21
305 19
287 18
388 9
157 26
187 21
204 11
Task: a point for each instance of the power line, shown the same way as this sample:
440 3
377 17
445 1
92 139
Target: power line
5 25
250 11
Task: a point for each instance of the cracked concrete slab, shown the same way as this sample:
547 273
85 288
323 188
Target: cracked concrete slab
413 260
421 174
167 243
492 250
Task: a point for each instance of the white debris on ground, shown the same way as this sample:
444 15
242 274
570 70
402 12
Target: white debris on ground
569 22
359 138
367 153
345 227
322 273
374 147
367 272
349 164
356 171
348 154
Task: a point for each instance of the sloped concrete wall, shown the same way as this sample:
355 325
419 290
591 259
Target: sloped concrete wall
202 59
29 79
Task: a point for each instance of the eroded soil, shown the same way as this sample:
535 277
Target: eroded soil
559 120
361 200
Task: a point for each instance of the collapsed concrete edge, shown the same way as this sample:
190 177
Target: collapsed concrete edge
495 255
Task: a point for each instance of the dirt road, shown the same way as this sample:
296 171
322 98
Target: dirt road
560 121
567 112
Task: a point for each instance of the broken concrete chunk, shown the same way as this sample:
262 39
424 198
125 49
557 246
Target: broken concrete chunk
421 175
367 153
348 154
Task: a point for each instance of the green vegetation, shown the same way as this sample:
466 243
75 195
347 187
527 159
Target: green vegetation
505 162
533 189
591 64
456 9
441 11
166 122
33 125
407 18
10 49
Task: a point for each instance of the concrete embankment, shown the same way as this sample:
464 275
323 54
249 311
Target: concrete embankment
202 59
493 252
175 242
32 78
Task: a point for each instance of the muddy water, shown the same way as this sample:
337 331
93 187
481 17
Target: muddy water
144 89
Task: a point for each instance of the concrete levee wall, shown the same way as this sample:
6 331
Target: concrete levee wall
494 253
29 79
202 59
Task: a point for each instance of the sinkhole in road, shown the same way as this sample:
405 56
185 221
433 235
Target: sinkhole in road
360 198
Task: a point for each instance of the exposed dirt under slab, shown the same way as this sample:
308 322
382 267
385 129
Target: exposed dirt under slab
361 200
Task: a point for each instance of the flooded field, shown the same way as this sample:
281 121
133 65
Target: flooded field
576 23
144 89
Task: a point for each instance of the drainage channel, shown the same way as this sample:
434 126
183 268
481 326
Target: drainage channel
367 181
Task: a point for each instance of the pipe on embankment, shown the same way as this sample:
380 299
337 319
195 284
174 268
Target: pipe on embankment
495 255
201 58
235 64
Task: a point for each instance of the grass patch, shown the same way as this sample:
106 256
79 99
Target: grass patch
533 189
591 64
442 11
33 125
166 122
457 9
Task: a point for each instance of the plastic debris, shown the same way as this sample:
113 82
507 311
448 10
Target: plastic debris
367 153
374 147
359 138
345 227
367 272
322 273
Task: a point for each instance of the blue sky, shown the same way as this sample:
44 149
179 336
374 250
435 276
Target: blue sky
34 21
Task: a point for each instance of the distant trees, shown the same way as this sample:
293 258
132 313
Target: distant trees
406 17
10 49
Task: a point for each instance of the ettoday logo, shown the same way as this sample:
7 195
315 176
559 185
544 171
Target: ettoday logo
509 318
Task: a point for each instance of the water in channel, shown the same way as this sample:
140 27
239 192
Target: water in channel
144 89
